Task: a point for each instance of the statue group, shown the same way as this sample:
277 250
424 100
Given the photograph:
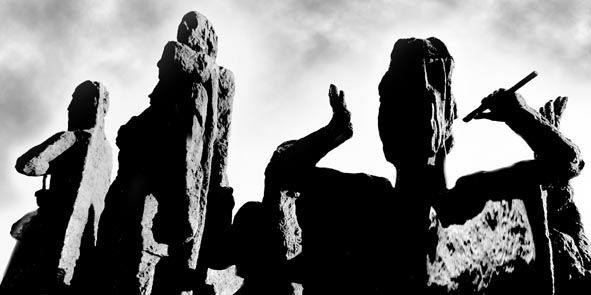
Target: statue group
166 220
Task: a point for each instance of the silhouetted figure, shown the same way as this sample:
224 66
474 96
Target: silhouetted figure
360 236
172 161
56 242
316 227
418 82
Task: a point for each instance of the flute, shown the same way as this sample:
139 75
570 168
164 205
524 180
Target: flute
486 105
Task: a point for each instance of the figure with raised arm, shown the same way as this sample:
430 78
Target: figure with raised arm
355 234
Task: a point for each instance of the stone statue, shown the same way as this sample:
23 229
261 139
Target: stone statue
355 234
422 69
571 251
56 242
172 163
268 233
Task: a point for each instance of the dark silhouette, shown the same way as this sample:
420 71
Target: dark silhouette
168 214
153 237
315 226
361 236
55 242
419 79
416 90
571 251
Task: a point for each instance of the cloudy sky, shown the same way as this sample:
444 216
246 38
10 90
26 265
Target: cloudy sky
284 55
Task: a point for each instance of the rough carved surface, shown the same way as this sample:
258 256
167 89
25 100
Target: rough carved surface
167 224
289 226
56 242
491 247
570 246
172 160
225 282
492 252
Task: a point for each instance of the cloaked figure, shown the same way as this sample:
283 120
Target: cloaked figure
56 242
169 207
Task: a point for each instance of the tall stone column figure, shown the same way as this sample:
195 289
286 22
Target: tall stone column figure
172 159
56 241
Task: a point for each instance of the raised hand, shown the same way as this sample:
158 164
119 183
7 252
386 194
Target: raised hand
341 116
336 98
553 110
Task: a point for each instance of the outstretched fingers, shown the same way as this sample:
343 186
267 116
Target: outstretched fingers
559 107
553 110
341 117
547 111
336 98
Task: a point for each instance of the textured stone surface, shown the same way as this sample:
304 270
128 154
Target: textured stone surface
316 229
225 282
152 251
289 226
486 249
570 246
167 225
172 159
56 242
196 31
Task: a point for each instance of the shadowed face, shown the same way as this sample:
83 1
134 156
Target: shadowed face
83 109
416 105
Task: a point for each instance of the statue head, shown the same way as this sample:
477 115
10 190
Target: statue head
417 107
89 105
196 31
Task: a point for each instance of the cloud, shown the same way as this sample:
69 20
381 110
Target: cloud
50 46
20 112
47 44
554 29
560 30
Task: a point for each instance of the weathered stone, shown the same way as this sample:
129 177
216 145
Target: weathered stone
570 247
338 241
225 101
179 61
288 224
225 282
196 31
152 251
172 159
490 248
56 242
416 92
458 270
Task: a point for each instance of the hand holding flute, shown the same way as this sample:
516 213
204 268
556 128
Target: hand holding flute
495 102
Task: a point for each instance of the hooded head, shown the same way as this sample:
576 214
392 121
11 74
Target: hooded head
417 107
89 105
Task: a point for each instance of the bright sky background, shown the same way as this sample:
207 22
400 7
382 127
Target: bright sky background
284 54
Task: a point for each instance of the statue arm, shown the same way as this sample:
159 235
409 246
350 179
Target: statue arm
36 161
557 158
293 160
309 150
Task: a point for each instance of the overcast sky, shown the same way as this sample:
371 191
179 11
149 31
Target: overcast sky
284 54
